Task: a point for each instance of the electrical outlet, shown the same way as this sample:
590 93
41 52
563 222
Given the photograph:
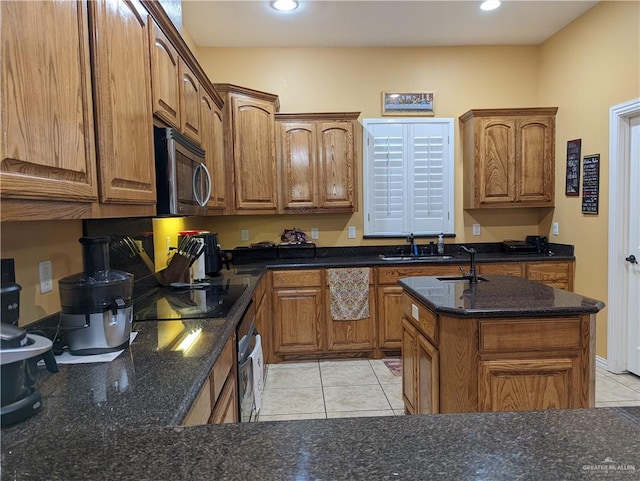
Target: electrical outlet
314 233
476 229
555 228
46 278
245 234
351 232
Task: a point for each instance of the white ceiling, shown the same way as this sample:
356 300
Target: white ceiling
377 23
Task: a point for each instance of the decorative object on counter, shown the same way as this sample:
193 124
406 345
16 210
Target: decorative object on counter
349 293
20 354
572 188
96 304
293 236
407 103
590 184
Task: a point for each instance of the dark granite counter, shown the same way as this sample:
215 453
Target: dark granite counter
557 445
497 296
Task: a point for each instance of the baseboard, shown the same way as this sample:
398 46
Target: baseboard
602 363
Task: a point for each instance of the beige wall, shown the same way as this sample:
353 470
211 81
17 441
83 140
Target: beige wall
587 67
591 65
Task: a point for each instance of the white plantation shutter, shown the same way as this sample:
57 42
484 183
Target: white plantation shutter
408 176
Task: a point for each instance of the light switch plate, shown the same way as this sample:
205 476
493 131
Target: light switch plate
314 233
245 234
476 229
556 228
352 232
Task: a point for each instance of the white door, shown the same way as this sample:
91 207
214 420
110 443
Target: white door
633 256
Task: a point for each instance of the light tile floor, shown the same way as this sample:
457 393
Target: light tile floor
366 387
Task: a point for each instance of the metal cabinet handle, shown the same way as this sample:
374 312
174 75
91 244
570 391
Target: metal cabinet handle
631 259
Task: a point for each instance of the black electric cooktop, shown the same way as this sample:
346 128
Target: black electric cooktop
169 303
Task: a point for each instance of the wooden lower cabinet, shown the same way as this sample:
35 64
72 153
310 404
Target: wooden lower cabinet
217 402
453 364
297 312
556 274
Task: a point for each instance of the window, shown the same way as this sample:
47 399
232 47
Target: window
408 176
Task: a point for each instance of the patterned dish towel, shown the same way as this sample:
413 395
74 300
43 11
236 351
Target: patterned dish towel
349 293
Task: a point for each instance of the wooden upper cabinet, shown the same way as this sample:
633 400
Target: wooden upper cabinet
509 157
297 156
337 168
189 102
213 144
47 144
317 157
122 88
165 77
250 142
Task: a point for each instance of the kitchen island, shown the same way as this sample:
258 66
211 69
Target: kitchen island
500 344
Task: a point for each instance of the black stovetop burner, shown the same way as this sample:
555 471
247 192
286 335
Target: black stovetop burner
170 303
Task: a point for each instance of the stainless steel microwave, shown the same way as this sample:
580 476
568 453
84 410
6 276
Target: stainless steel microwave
183 182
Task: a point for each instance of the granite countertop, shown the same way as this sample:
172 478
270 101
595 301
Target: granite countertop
582 444
121 420
497 296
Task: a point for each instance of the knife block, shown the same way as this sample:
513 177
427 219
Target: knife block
177 270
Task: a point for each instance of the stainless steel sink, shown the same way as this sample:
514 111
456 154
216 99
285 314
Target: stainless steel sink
415 258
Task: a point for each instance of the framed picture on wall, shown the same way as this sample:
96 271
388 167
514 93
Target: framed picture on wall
407 103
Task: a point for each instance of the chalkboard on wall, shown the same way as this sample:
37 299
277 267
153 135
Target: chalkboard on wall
590 183
573 168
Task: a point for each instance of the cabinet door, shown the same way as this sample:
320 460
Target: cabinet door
524 385
254 154
122 87
47 141
428 377
390 317
337 168
496 162
165 77
535 160
226 407
409 366
297 148
356 335
189 103
201 409
213 144
297 321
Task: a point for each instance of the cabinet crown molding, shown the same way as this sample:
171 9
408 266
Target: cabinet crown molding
510 112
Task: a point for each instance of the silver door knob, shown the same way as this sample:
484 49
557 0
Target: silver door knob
631 259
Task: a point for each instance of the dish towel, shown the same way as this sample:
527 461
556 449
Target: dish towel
258 374
349 293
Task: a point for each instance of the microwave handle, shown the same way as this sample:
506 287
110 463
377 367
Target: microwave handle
204 200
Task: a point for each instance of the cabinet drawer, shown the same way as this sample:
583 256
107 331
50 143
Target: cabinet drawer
530 335
301 278
221 369
390 275
423 318
554 273
507 269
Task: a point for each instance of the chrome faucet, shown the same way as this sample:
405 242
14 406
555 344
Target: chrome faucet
413 248
472 276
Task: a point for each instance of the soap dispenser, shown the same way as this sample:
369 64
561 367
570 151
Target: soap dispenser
441 244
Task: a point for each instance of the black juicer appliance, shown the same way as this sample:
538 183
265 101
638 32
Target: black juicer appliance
97 304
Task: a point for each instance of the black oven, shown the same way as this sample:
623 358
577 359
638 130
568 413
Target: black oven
183 181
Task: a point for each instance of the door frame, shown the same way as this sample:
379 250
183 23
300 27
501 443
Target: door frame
619 164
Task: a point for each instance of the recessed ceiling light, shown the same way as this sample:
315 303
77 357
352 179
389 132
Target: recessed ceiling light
284 5
490 5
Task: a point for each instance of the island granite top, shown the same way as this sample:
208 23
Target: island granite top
497 296
585 444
